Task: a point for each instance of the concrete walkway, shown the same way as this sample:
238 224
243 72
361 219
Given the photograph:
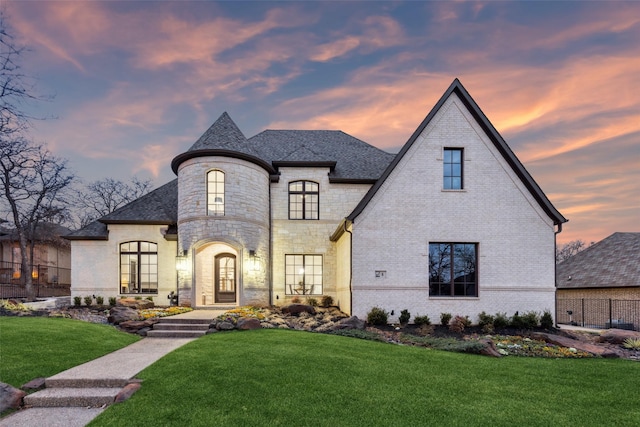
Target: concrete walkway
112 370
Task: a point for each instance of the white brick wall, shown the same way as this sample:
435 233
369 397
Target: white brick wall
515 237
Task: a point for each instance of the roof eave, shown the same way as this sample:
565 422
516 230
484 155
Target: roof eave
181 158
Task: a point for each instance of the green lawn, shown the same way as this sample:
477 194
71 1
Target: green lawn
277 377
32 347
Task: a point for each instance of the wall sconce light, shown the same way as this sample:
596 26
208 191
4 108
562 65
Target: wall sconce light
254 261
182 263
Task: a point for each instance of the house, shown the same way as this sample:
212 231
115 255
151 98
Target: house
51 256
601 284
452 223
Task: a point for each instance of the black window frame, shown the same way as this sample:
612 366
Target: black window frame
135 287
457 285
448 173
296 283
307 196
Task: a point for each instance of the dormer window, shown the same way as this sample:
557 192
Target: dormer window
215 193
303 200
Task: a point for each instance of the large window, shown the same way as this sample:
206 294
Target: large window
453 269
452 174
138 268
215 193
303 200
303 274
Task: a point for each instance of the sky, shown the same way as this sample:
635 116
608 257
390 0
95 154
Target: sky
135 83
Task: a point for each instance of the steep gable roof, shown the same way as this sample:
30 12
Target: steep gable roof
457 88
612 262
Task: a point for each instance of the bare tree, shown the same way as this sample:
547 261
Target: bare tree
104 196
568 250
33 183
31 179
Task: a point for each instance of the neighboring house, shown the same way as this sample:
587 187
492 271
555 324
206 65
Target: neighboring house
601 284
452 223
51 256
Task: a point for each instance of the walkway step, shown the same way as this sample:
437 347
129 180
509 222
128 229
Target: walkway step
154 333
181 326
74 397
53 382
183 320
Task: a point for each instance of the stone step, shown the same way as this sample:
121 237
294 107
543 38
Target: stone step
181 326
175 334
72 397
86 382
183 321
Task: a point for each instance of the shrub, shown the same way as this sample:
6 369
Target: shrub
150 298
295 300
516 321
485 320
546 320
632 343
445 318
100 300
312 302
404 317
327 301
422 320
138 298
500 321
77 301
377 316
88 300
530 320
458 324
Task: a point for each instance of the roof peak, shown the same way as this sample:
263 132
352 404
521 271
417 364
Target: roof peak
223 133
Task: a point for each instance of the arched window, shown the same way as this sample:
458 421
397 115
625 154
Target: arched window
215 193
138 268
303 200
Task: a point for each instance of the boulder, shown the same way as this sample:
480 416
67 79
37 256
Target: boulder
489 348
247 323
10 397
350 323
140 304
617 336
126 392
35 384
225 326
136 326
579 345
121 314
296 309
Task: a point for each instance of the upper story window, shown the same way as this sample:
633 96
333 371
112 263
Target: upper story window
138 268
453 269
452 176
215 193
303 200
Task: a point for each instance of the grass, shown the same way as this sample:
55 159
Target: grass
32 347
279 377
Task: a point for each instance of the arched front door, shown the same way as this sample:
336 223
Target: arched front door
225 278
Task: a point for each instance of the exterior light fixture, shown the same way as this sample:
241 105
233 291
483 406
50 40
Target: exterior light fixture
254 261
182 262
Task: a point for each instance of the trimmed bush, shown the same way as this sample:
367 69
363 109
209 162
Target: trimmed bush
485 319
445 318
377 316
77 301
404 317
458 324
500 321
88 301
312 302
112 301
422 320
546 320
326 301
530 320
100 300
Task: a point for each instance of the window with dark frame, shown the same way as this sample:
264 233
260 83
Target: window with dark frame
138 268
303 200
452 169
453 269
303 274
215 193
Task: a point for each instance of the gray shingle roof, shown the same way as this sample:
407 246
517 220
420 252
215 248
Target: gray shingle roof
159 206
612 262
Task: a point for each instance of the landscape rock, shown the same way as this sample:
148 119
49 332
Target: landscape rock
350 323
126 392
136 326
225 326
35 384
489 348
579 345
617 336
140 304
296 309
121 314
248 323
10 397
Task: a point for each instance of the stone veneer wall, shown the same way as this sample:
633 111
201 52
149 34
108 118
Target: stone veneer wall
336 201
515 237
95 264
244 226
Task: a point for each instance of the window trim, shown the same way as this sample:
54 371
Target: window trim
215 194
461 176
304 193
153 290
289 287
452 282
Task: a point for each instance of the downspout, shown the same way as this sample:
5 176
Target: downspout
344 226
270 257
555 269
